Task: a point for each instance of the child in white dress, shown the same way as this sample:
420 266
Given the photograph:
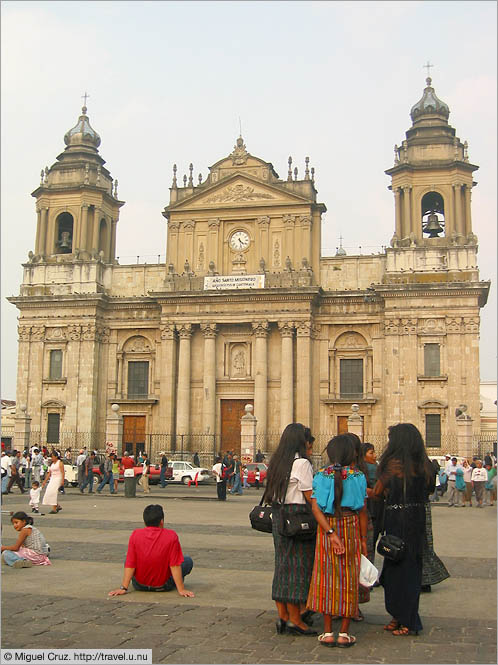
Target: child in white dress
34 496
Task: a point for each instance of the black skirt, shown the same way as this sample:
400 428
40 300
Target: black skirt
293 565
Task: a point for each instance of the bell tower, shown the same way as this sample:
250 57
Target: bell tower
77 202
432 180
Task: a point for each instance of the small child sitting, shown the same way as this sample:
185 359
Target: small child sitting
30 548
34 496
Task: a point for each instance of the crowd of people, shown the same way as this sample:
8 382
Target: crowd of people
461 480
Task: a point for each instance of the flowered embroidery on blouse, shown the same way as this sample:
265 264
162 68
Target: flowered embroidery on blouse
346 471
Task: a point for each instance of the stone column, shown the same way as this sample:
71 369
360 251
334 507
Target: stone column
407 218
83 239
96 229
114 429
397 212
464 434
38 232
167 389
303 373
22 429
355 423
467 226
260 331
209 406
45 245
457 196
183 393
248 424
286 374
112 254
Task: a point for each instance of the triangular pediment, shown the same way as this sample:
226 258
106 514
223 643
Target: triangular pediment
238 189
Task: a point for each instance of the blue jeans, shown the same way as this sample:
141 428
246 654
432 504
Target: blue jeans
5 481
10 557
237 488
169 585
162 476
88 481
108 478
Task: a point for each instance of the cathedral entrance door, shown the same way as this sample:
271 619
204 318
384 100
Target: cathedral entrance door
134 434
342 424
232 411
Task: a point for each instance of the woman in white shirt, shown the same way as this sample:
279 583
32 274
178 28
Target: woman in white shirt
467 478
479 479
289 480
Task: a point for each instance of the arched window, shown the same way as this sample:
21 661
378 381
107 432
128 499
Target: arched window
103 236
433 215
64 233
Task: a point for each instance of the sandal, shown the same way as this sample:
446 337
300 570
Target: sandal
322 640
351 641
360 617
403 631
394 625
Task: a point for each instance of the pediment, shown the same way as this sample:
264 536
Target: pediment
239 189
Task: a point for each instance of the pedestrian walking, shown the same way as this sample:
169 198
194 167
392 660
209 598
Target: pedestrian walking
245 478
479 480
454 495
237 467
115 472
27 470
80 464
54 478
145 473
88 473
107 477
5 465
467 478
196 460
490 486
15 473
162 472
218 471
37 464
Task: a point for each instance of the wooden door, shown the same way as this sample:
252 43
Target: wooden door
134 434
342 424
232 411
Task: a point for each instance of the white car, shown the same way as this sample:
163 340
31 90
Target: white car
70 473
184 471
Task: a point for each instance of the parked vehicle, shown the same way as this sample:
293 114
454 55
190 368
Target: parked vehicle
184 471
251 470
70 473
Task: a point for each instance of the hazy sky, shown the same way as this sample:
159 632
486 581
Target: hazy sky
167 81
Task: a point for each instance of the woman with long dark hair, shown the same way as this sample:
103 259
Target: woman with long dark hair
289 480
339 506
405 478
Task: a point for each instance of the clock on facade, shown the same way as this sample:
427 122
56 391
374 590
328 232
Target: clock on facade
239 240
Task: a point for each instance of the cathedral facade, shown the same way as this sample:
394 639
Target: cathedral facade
246 310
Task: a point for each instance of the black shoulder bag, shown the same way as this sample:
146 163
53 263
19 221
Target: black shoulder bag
297 521
389 546
261 517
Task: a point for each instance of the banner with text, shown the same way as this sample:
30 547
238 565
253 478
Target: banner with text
225 282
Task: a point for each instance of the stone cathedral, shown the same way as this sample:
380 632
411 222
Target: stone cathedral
246 310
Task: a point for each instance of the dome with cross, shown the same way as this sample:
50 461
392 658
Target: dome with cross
430 104
82 133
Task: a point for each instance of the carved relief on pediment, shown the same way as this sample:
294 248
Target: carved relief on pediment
137 344
350 340
238 192
55 334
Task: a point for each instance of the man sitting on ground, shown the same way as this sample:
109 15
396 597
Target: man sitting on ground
154 561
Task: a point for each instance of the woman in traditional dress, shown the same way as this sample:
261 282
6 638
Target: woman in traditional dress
339 506
289 480
405 478
55 479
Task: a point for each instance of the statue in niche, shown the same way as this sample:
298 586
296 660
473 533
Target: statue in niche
238 362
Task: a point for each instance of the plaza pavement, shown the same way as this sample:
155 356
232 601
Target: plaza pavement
232 617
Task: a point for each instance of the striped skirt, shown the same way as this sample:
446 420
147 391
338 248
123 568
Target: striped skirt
334 587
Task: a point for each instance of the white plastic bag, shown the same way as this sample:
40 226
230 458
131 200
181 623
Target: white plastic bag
368 572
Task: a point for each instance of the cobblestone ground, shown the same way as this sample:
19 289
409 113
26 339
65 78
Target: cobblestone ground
231 619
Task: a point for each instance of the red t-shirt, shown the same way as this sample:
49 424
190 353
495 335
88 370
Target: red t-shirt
151 551
127 462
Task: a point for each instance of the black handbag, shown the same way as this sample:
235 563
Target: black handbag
389 546
261 517
297 521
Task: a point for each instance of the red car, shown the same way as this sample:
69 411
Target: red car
251 469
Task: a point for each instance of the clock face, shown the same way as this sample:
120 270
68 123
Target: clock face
239 240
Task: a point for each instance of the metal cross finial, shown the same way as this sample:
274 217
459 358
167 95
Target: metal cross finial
428 66
240 127
84 98
340 240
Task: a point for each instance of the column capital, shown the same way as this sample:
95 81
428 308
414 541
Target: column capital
209 330
168 331
263 221
214 223
286 328
188 224
260 328
406 188
85 205
289 219
184 330
304 328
